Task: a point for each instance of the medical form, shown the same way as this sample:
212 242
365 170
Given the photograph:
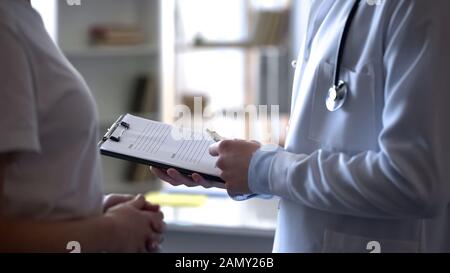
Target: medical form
160 145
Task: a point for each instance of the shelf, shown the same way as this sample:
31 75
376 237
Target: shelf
221 230
227 45
113 71
112 51
212 192
255 217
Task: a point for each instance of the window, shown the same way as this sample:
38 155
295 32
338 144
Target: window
218 73
47 9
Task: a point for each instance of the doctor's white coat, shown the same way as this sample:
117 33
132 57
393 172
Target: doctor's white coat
379 168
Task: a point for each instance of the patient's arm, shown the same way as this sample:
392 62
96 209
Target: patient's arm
127 227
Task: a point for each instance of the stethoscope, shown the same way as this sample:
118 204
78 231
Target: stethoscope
338 93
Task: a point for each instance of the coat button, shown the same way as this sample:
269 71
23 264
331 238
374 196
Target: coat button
294 64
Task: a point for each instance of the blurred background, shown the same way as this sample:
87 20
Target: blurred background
147 56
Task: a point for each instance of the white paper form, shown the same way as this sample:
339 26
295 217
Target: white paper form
156 142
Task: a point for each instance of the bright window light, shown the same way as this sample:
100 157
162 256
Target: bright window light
47 9
222 20
217 73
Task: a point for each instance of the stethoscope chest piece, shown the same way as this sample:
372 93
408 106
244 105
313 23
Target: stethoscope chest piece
337 96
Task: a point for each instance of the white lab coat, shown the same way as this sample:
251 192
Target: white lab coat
379 168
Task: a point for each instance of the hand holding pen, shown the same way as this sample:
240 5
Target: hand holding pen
175 178
214 135
233 160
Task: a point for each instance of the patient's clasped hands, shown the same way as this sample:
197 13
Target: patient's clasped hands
138 224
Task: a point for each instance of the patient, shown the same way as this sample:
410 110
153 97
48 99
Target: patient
50 192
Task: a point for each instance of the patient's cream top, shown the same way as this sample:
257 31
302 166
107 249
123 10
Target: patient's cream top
48 121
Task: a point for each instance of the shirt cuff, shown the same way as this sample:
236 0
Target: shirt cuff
19 142
259 171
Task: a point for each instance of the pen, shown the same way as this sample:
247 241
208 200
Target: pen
214 135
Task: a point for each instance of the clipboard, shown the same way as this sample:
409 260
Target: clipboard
136 139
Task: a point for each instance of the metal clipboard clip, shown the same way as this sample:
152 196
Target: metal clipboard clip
111 132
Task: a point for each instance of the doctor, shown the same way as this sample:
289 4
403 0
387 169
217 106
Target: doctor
366 162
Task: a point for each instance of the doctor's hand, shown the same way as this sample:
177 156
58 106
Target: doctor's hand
175 178
234 158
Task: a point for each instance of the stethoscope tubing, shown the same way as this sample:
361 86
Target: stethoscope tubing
342 42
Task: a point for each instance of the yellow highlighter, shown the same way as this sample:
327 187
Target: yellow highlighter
176 200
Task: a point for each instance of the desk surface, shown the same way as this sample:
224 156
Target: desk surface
222 215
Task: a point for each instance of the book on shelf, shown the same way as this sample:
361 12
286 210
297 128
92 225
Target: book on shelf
115 35
271 27
144 100
145 95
